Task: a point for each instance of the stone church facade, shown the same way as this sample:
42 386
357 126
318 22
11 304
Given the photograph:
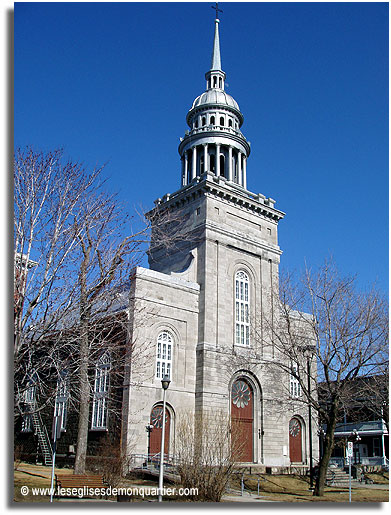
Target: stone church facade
198 313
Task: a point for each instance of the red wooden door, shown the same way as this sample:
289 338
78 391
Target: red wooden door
156 432
295 441
242 419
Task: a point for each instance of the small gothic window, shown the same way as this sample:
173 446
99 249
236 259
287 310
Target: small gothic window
101 391
230 123
242 309
222 121
212 120
164 355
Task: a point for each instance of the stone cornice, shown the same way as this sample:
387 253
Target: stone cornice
209 184
239 237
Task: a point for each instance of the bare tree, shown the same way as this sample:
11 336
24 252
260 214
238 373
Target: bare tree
47 197
207 448
105 261
328 333
75 252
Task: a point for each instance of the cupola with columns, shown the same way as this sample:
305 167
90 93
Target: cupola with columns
214 143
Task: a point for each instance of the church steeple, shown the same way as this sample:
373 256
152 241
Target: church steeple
216 59
215 144
215 76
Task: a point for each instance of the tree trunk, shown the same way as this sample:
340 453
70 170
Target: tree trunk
84 384
327 450
84 402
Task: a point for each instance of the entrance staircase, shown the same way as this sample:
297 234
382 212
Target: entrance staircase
338 477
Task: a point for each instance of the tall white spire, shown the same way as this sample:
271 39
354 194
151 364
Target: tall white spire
215 144
216 58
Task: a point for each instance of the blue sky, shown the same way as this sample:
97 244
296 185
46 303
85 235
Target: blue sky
112 83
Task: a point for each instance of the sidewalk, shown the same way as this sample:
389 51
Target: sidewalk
246 497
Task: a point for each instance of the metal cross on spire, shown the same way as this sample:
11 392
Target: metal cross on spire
217 10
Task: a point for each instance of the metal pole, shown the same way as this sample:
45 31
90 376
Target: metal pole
53 456
162 448
350 478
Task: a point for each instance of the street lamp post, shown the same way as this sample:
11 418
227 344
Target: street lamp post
165 385
354 437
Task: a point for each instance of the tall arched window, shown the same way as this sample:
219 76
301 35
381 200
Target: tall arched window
101 392
212 120
295 387
61 403
164 355
242 309
222 120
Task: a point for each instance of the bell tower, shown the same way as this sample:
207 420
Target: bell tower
214 142
213 195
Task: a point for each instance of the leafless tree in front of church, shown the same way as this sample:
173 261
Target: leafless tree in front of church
207 449
75 249
328 333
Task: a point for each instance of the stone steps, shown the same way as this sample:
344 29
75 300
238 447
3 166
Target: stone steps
338 477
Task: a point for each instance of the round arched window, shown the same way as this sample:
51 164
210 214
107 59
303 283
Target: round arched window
164 355
242 309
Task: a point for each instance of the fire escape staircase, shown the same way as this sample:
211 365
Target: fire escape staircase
43 437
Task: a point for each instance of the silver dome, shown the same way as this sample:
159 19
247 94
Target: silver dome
215 96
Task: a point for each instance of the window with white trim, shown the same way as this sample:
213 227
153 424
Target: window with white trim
29 400
101 391
242 309
164 355
295 387
61 404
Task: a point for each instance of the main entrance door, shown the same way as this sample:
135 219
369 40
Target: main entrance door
295 441
242 420
156 432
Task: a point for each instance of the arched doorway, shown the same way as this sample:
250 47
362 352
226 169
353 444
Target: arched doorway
156 431
242 420
295 440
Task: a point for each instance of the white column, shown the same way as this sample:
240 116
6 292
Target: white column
194 164
245 171
240 178
205 157
217 159
230 163
183 170
186 166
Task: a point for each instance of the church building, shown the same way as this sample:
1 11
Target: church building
197 314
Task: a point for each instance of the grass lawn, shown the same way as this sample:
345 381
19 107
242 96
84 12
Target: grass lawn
296 489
